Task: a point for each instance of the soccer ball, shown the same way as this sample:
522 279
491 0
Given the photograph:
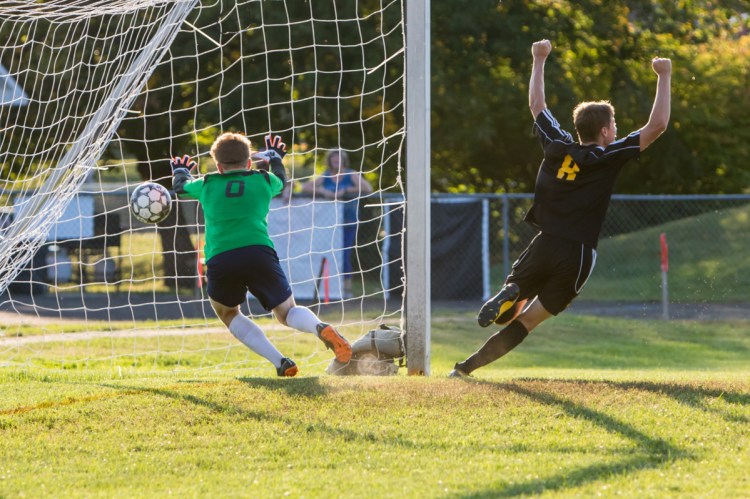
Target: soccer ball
150 203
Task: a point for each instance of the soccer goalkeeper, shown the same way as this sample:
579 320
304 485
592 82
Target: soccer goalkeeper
239 252
573 188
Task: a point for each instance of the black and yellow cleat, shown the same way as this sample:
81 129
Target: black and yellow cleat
507 316
498 304
287 369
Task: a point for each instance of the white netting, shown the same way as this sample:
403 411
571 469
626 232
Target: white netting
96 96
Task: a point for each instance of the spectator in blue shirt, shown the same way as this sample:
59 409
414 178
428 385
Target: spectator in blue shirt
339 182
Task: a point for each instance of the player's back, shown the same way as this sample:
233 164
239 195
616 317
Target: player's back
235 206
575 181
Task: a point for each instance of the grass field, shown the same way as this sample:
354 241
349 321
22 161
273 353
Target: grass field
707 261
585 407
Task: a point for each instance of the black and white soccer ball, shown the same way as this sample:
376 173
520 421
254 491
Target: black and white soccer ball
150 203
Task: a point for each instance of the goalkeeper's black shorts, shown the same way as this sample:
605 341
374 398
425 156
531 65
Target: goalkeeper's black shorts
553 269
233 273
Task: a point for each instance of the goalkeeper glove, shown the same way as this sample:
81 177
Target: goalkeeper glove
275 148
182 165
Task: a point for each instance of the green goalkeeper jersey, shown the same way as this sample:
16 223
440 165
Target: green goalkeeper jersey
235 207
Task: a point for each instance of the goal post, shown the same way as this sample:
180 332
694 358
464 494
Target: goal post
112 90
418 313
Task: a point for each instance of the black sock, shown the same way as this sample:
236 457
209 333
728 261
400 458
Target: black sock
498 345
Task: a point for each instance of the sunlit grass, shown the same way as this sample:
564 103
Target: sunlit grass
584 407
167 346
152 353
702 267
72 326
140 262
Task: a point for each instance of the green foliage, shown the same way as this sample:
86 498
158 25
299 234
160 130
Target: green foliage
481 140
601 50
314 83
62 79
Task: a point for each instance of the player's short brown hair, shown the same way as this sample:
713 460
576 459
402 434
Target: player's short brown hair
590 117
231 149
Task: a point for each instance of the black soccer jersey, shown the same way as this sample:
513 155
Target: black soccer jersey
575 182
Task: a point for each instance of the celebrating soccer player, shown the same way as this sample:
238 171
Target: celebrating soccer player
571 196
239 252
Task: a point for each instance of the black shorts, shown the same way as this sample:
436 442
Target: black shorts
553 269
233 273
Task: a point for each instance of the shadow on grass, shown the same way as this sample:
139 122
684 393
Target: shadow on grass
693 396
654 452
309 388
301 425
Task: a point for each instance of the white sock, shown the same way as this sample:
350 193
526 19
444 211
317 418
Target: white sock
302 319
253 338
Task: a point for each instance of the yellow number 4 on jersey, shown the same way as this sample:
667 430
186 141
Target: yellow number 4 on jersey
569 168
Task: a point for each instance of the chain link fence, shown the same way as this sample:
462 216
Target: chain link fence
707 238
476 239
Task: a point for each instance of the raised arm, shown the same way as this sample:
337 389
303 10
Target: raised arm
274 153
539 50
659 118
181 169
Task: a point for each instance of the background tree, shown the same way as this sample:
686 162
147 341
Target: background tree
481 127
481 64
243 69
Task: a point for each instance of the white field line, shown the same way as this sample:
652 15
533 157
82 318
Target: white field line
16 341
14 319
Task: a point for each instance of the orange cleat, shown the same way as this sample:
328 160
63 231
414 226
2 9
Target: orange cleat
334 341
287 369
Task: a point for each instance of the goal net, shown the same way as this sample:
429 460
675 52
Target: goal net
96 96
